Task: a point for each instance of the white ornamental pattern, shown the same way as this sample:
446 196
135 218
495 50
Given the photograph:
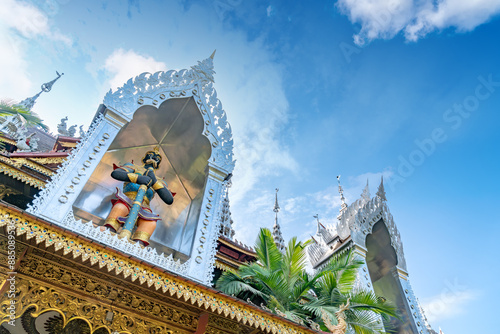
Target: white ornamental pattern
55 202
359 219
153 89
110 239
67 168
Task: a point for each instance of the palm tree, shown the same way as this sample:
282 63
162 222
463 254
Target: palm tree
280 282
7 108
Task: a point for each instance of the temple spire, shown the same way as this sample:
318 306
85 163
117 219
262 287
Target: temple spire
226 219
343 205
213 54
277 236
46 87
381 190
366 192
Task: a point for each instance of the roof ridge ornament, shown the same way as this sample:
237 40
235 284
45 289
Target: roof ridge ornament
366 192
277 236
320 226
381 190
204 70
29 102
343 205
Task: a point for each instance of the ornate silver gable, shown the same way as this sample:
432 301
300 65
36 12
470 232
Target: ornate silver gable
77 186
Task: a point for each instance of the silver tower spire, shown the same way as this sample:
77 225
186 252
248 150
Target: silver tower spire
343 206
226 219
46 87
277 236
366 192
381 190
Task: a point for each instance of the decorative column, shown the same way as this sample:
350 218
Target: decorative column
413 305
54 203
205 241
363 280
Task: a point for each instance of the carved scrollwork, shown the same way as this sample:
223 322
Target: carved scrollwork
30 294
149 89
42 269
228 326
123 268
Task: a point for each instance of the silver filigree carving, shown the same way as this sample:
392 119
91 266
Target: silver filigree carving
105 237
148 89
42 199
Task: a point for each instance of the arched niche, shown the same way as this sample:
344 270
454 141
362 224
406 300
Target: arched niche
191 229
176 126
382 262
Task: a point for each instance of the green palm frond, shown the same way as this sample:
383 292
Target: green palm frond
365 322
366 300
282 283
8 108
267 252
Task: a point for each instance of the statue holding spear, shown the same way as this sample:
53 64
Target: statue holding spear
132 204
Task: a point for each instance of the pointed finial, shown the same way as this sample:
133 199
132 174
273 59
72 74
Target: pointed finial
213 54
320 226
276 206
343 205
381 190
366 192
277 236
46 87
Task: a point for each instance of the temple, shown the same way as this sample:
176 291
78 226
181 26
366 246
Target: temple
111 232
368 228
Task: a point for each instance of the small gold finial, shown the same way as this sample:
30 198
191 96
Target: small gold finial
213 54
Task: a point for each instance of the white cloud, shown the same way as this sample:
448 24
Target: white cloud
122 65
21 22
249 82
381 19
450 303
269 11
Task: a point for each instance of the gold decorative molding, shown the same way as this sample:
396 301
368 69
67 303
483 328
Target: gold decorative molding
6 191
48 160
31 294
8 141
21 176
4 243
226 325
9 161
67 144
222 266
238 247
80 249
88 285
35 166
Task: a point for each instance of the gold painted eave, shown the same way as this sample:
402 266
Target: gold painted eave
21 176
45 235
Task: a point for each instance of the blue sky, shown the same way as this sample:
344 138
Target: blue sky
312 90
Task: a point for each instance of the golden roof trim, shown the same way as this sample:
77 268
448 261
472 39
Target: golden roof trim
17 174
48 160
222 266
35 166
238 247
67 144
8 140
199 295
223 257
